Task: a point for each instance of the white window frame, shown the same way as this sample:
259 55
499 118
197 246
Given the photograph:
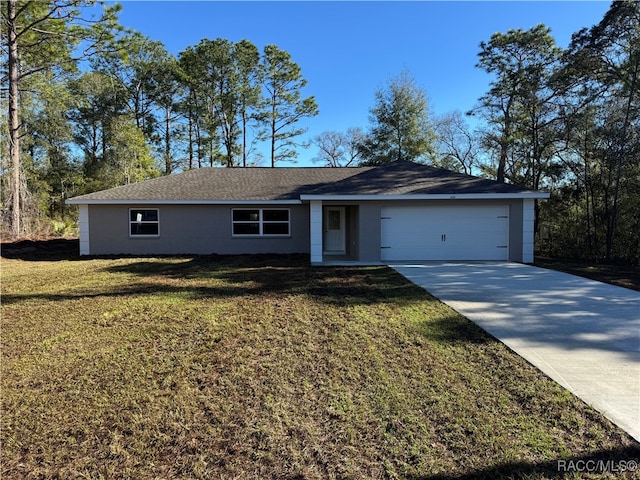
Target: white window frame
261 222
134 222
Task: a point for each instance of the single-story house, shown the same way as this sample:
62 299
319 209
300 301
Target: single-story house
395 212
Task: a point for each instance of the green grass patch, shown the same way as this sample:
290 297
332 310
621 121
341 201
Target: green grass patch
265 367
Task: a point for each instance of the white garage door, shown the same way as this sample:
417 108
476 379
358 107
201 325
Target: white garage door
445 233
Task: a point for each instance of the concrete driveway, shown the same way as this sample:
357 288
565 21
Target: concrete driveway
583 334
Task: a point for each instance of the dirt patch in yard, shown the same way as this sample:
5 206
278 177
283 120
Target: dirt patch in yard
41 250
626 276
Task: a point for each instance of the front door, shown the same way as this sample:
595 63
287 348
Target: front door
334 230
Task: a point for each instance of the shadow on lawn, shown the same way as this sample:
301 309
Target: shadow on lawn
621 463
212 276
131 291
454 330
279 274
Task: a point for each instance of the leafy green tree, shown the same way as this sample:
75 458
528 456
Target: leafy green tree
520 107
128 155
400 127
116 151
601 80
97 100
43 37
167 95
148 77
284 105
223 90
230 90
192 107
55 170
134 65
48 172
249 71
216 75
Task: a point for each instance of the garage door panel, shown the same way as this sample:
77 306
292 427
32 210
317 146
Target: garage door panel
445 233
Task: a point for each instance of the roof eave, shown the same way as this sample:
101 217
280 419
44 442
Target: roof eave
337 197
432 196
87 201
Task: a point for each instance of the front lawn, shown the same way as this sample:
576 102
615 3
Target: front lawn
264 367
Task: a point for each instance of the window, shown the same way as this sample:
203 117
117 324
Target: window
260 222
144 223
333 219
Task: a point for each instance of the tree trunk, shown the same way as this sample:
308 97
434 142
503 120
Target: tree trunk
167 142
244 138
190 146
273 130
199 144
613 216
587 199
502 161
504 143
14 120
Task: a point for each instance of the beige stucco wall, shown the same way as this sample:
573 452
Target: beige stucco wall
190 229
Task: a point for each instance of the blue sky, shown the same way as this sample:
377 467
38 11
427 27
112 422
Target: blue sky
349 49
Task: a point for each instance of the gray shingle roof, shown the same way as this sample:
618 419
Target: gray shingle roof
209 184
409 178
264 184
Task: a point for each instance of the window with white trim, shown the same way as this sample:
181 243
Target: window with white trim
262 222
144 222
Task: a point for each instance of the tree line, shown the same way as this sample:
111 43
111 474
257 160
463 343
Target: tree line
564 120
569 121
125 110
92 105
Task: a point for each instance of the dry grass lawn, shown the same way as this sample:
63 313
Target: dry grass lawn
265 367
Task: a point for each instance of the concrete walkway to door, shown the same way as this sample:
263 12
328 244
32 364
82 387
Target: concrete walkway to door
583 334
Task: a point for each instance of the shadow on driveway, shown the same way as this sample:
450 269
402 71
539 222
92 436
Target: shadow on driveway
582 333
